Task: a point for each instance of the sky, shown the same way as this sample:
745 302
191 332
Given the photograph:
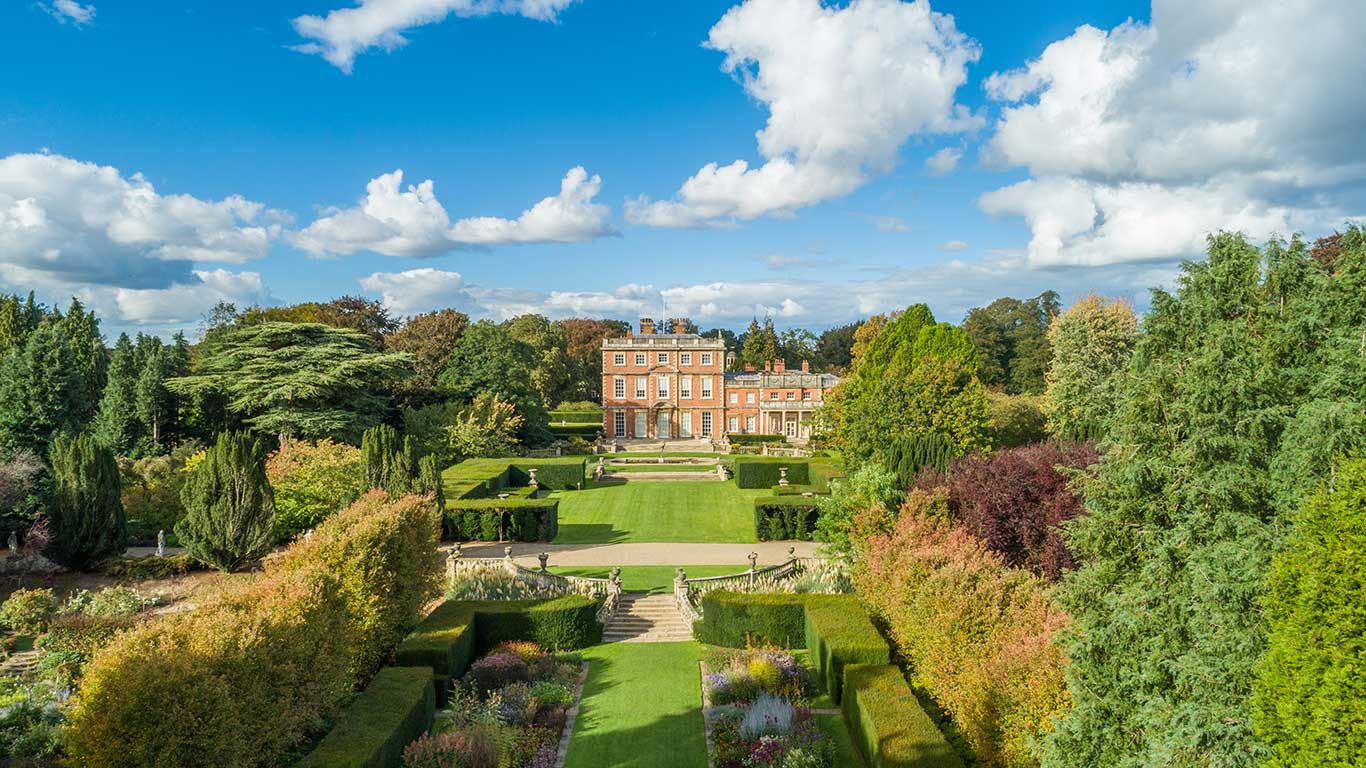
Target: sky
814 162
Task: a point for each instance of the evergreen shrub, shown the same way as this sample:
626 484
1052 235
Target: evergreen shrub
229 506
888 724
839 633
508 519
443 641
762 471
786 517
86 521
736 620
396 708
558 624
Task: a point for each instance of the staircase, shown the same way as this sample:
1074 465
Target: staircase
642 618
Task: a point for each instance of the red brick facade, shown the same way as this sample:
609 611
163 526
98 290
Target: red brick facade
664 386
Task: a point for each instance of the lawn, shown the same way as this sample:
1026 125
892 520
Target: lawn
682 511
642 708
655 579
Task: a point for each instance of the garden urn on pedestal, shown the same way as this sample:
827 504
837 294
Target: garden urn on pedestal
782 475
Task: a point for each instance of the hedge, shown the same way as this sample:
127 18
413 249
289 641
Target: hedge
755 439
481 478
443 641
397 708
558 624
575 417
781 518
502 520
839 633
586 431
762 471
735 620
888 723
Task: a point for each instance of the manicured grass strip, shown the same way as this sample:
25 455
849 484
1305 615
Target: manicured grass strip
682 511
642 708
654 579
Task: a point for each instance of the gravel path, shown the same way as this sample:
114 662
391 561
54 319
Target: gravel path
770 553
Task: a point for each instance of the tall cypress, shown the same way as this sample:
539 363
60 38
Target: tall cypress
378 446
86 522
229 506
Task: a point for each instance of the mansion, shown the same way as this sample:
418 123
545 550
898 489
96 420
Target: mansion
664 386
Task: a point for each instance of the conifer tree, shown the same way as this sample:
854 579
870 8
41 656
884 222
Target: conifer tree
379 449
229 507
116 424
40 392
82 332
86 522
156 405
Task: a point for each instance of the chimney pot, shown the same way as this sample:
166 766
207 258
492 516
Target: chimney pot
680 325
806 366
647 326
779 366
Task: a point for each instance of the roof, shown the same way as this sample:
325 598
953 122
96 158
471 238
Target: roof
771 379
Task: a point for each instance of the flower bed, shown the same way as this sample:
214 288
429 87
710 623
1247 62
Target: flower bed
510 709
757 715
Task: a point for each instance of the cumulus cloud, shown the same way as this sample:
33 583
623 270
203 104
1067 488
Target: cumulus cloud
845 87
415 291
70 12
954 245
1219 114
395 221
84 223
943 162
344 33
888 223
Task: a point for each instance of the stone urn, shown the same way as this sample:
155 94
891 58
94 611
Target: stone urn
782 475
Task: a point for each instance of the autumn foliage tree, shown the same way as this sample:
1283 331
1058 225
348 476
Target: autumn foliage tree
1092 342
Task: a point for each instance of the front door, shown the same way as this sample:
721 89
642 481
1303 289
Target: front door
641 420
685 424
791 429
662 425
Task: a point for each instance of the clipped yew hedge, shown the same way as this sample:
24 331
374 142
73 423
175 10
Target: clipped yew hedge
838 634
398 707
444 641
755 439
762 471
888 723
483 478
735 619
557 624
781 518
508 519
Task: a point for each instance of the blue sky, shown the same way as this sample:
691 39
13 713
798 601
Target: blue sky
158 156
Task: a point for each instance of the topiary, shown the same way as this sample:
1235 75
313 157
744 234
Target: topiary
229 507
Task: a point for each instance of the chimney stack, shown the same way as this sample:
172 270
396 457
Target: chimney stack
680 325
779 366
806 366
749 367
647 326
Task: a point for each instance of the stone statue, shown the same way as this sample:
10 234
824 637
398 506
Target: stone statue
161 543
533 483
13 543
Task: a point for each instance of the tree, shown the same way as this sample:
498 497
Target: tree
117 424
759 344
25 492
914 377
394 466
864 335
584 344
18 318
82 332
86 522
1092 343
312 481
906 456
156 405
1248 382
229 506
488 360
1012 346
484 428
297 379
40 392
552 371
350 312
430 338
1310 689
796 345
835 348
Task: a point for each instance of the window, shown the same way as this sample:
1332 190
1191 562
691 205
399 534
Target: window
706 387
749 398
663 387
662 357
706 423
734 424
772 395
685 387
619 389
619 358
749 423
685 358
640 387
619 424
685 424
791 395
706 358
806 395
734 398
640 358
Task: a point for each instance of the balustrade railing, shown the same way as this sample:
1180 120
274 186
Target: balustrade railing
688 593
607 590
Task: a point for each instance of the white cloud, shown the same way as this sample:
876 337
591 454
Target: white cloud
888 223
1221 114
420 290
943 162
181 304
345 33
954 245
845 87
412 222
88 224
70 11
